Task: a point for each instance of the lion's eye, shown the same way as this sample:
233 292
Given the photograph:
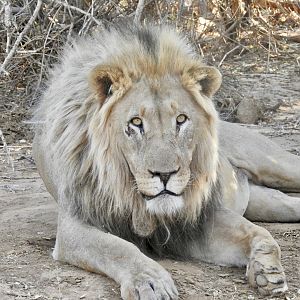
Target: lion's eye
136 122
181 119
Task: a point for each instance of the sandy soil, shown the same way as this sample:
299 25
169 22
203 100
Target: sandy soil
27 235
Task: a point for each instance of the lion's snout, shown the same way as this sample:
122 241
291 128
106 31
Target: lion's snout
162 191
162 183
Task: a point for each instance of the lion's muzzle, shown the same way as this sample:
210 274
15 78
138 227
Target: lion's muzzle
163 191
162 183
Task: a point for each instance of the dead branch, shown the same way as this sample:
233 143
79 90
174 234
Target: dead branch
21 35
139 11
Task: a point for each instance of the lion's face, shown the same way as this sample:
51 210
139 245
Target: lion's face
155 136
158 130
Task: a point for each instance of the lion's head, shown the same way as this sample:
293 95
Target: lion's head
144 136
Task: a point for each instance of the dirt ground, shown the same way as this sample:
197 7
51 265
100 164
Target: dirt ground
28 225
27 235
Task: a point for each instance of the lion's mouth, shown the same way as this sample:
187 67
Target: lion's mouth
163 192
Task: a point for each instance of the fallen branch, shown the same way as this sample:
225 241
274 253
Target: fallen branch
289 35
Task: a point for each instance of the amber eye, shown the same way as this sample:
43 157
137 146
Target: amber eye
136 122
181 119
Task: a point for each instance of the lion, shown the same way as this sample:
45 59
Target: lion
132 149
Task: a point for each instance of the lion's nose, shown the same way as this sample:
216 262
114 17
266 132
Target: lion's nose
164 176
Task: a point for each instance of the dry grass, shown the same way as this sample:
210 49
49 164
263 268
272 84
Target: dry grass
33 32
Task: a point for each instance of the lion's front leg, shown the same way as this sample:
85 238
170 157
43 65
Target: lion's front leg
233 240
89 248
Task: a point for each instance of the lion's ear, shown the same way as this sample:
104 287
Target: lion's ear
209 79
103 79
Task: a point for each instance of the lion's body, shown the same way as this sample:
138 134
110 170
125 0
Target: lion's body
160 187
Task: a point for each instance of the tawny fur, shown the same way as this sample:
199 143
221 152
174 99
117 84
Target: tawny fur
84 155
90 166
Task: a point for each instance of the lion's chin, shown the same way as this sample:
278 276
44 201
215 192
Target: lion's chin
165 205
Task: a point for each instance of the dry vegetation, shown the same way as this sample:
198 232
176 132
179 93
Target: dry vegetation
33 32
255 43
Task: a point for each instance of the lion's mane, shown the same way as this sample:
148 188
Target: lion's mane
91 171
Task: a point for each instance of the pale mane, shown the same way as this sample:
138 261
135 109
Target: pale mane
91 169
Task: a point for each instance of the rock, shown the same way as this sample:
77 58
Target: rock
248 111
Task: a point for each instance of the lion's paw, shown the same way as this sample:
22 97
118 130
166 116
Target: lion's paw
152 283
265 272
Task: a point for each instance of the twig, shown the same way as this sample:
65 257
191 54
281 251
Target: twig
7 23
226 54
269 50
43 55
71 25
7 152
179 13
19 39
138 12
78 10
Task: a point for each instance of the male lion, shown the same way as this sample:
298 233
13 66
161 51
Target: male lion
131 151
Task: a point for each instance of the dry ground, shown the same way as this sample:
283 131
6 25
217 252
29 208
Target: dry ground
27 235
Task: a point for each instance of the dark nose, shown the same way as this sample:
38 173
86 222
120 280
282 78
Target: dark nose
164 176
